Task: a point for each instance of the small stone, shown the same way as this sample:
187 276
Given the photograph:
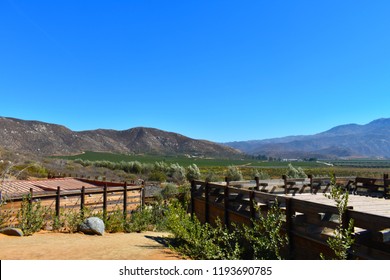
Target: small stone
92 225
12 231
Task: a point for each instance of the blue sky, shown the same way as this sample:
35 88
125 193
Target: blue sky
216 70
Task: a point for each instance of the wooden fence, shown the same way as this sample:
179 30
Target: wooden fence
107 197
308 224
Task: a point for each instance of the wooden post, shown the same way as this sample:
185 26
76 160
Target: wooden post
257 188
289 226
345 224
58 198
206 194
385 185
311 182
30 199
82 202
192 198
125 200
284 177
252 206
226 204
143 194
105 202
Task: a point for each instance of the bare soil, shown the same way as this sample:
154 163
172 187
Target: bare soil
78 246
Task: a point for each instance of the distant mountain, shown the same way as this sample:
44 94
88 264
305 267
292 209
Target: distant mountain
41 138
351 140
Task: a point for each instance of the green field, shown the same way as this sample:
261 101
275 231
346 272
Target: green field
185 161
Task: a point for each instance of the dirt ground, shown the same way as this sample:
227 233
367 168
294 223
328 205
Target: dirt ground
78 246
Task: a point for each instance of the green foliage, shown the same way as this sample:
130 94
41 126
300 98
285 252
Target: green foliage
169 191
264 240
31 216
293 172
202 241
157 175
342 239
233 174
115 221
261 174
5 216
177 173
193 172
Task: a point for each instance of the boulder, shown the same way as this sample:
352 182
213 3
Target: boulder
12 231
92 225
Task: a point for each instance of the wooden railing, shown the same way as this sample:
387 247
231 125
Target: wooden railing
308 224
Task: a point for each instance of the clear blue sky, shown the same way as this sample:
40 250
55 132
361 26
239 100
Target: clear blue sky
216 70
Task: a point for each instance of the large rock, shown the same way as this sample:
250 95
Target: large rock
12 231
92 225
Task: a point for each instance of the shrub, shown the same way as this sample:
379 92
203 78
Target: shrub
193 172
264 240
115 221
233 174
293 172
342 239
140 220
31 216
169 191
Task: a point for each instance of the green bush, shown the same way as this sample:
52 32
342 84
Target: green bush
115 221
264 240
31 216
233 174
204 242
169 191
293 172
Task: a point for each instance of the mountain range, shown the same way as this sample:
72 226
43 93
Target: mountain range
344 141
40 138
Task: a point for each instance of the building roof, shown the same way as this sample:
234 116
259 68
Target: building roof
19 188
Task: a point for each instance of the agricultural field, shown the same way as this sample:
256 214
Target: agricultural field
185 161
249 166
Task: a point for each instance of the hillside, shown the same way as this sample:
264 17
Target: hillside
351 140
41 138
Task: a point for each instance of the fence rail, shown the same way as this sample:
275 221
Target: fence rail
308 224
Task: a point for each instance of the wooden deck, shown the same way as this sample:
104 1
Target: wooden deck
365 204
310 218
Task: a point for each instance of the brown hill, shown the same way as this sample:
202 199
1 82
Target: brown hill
50 139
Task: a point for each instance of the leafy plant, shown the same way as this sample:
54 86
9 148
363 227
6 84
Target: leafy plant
342 239
233 174
31 216
264 239
293 172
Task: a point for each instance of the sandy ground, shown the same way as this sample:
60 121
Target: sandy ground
77 246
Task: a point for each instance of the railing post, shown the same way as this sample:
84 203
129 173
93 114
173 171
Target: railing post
257 179
143 194
125 200
226 204
192 198
345 223
105 202
58 198
289 226
311 182
82 202
385 185
31 196
206 194
284 177
252 206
